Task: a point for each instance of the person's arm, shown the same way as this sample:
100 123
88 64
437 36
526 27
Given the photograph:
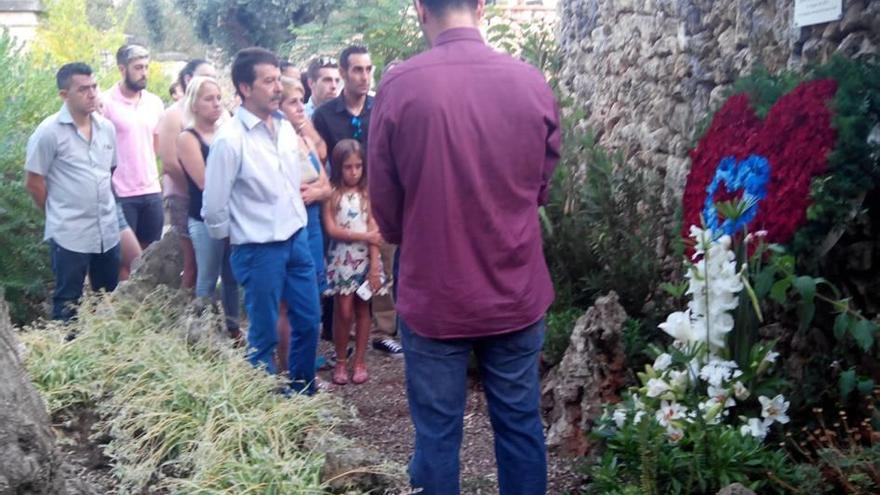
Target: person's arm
169 129
318 190
338 233
315 140
386 191
38 161
553 146
36 186
224 164
375 274
189 154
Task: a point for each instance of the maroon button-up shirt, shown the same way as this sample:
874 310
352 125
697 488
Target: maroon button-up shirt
463 142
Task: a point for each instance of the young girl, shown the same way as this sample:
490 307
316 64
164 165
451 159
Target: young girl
353 256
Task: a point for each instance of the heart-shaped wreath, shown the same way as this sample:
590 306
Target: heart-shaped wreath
769 162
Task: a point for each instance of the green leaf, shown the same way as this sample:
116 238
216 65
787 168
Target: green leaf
846 383
806 287
780 289
753 298
841 324
863 332
865 386
764 281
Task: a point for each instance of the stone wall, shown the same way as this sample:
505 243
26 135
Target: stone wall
648 72
20 18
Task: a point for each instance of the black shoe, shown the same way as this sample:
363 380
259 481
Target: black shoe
388 346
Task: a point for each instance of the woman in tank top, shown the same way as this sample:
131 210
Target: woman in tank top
203 112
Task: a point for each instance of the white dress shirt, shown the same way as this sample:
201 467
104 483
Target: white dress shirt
252 181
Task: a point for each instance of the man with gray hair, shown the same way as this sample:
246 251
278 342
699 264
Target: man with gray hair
135 112
69 160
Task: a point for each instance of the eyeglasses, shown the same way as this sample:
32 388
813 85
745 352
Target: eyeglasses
357 126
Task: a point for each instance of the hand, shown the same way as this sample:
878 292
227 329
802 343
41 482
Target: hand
375 280
309 193
374 237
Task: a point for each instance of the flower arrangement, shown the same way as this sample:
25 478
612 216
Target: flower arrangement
693 385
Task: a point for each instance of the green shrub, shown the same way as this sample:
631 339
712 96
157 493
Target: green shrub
182 418
559 326
27 95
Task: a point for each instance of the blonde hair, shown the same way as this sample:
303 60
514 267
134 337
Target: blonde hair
290 85
193 90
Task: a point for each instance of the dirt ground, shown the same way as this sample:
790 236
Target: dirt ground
384 425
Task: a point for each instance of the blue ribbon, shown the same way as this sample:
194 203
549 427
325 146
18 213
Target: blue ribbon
751 175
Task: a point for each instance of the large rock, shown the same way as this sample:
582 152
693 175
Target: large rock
352 468
736 489
29 461
590 375
160 264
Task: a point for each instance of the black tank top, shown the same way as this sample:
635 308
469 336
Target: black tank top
195 194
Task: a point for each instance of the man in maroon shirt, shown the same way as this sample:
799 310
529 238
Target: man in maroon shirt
462 145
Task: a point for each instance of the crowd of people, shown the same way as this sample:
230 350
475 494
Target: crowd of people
276 199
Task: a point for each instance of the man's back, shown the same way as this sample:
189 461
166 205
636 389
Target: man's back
471 138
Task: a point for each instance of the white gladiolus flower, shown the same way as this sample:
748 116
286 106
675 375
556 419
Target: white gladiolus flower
740 391
670 411
721 396
774 409
678 326
717 372
657 387
674 434
756 428
638 417
770 357
619 417
662 362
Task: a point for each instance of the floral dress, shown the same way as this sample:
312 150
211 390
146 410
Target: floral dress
348 263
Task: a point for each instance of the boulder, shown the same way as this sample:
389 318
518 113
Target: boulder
591 373
736 489
30 464
160 264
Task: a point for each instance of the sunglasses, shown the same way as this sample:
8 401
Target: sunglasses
357 126
326 61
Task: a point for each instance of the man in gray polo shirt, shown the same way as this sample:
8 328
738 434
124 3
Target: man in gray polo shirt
69 161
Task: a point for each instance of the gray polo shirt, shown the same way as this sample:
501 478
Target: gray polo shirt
80 208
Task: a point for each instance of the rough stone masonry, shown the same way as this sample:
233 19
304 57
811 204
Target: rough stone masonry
649 71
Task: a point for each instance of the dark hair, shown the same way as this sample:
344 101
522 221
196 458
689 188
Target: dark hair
440 7
341 152
349 51
245 61
319 63
285 64
67 71
171 88
189 70
307 91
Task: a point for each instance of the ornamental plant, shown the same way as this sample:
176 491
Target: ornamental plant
694 396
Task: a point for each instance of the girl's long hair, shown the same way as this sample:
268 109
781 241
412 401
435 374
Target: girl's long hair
341 152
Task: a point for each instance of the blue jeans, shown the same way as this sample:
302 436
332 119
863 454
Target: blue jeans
269 272
212 261
316 244
70 270
436 387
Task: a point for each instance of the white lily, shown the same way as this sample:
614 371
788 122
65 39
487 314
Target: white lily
775 409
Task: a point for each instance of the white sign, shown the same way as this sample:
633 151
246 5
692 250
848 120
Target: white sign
809 12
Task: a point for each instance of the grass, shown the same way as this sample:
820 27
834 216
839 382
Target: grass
183 418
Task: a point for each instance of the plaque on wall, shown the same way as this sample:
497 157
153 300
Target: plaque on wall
809 12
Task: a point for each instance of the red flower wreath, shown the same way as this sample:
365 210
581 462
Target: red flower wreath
795 138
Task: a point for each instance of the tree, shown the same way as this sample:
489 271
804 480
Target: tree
235 24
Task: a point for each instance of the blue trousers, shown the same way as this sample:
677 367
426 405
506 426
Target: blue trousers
269 272
436 387
212 261
70 270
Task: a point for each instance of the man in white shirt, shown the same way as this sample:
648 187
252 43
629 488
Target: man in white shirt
252 183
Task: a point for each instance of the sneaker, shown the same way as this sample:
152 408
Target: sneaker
388 346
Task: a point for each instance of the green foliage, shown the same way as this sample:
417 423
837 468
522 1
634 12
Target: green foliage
558 335
387 27
234 24
182 418
153 13
27 95
601 224
639 459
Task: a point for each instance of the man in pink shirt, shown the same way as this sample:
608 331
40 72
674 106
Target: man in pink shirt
135 112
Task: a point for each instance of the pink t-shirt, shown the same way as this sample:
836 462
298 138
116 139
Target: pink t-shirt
136 122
